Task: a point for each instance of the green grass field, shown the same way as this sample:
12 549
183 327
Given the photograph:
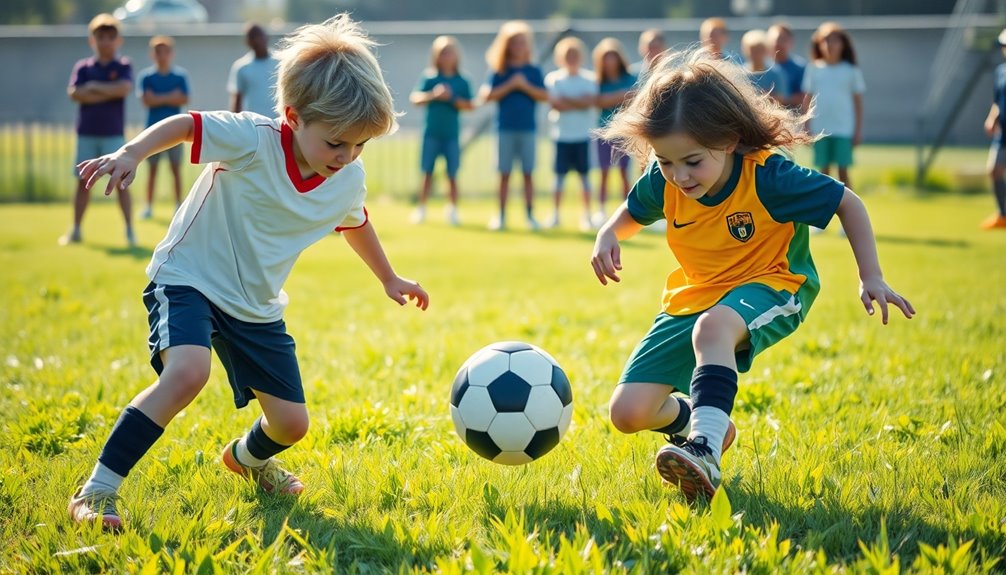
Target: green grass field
862 448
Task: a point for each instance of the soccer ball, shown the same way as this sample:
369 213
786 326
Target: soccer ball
511 402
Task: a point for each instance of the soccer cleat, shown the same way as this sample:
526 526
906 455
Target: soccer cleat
270 477
94 507
994 223
130 238
692 467
419 215
147 213
553 222
728 439
71 237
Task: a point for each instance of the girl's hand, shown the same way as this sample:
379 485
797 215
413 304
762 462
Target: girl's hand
442 92
120 167
399 288
607 257
871 289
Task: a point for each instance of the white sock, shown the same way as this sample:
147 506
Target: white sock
711 423
103 480
245 457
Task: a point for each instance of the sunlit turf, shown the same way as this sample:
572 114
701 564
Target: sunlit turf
862 447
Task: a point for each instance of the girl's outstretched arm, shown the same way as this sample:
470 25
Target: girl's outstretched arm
607 256
872 287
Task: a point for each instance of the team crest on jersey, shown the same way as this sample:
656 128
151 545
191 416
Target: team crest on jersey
741 225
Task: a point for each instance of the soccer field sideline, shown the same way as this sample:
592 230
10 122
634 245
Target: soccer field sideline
849 431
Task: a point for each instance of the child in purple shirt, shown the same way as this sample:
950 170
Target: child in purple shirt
100 85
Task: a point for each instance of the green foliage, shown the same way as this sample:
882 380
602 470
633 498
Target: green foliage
862 448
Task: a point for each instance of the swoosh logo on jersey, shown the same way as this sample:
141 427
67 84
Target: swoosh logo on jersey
679 226
746 304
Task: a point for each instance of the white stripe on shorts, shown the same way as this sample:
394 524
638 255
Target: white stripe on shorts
789 308
162 322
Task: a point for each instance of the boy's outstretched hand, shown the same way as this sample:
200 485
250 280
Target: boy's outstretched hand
875 289
399 288
120 167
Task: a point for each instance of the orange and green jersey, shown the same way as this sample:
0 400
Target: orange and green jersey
753 231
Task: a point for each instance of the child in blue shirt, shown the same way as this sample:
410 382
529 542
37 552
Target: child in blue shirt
164 89
444 90
517 85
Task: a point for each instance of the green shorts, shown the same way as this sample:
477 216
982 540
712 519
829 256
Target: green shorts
665 355
833 150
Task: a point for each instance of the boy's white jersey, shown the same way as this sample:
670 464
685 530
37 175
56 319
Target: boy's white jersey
833 87
571 125
250 215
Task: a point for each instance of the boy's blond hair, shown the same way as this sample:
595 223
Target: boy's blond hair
711 24
497 53
327 73
439 44
564 46
710 100
753 38
103 21
162 41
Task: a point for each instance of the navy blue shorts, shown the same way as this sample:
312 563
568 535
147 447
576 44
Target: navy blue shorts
256 356
434 147
573 156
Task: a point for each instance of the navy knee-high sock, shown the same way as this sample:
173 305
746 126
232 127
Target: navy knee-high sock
132 436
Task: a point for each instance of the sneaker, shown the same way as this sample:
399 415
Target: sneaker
496 224
71 237
553 222
691 467
419 215
994 223
270 477
130 238
147 213
532 224
452 216
94 507
728 438
586 224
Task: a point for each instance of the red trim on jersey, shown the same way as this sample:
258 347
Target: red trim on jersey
366 218
197 137
302 185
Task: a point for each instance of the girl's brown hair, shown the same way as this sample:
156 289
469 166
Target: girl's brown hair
496 55
609 46
825 30
439 44
710 100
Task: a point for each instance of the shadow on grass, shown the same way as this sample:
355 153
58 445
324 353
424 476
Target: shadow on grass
136 252
827 524
357 545
930 242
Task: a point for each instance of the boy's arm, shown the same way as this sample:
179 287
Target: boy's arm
464 104
536 93
856 223
365 243
992 120
607 256
492 94
421 98
236 102
111 90
121 164
83 94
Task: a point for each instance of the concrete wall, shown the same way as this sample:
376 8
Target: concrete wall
895 54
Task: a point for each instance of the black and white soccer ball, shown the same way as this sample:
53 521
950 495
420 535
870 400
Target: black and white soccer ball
511 402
